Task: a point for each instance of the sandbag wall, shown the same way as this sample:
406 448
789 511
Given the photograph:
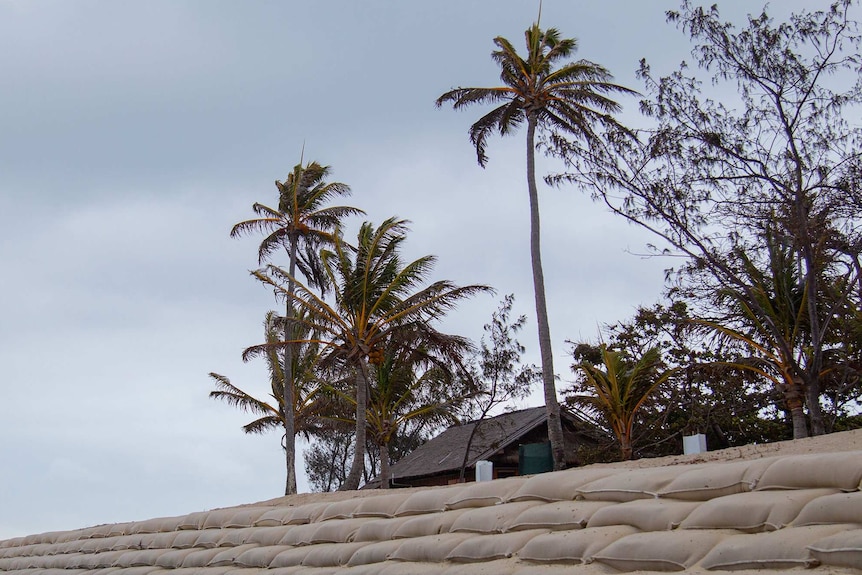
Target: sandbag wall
767 514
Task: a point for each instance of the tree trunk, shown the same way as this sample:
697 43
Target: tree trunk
793 397
555 424
384 465
626 450
355 474
815 411
462 475
287 371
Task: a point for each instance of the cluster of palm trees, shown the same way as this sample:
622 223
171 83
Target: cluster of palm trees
777 295
373 347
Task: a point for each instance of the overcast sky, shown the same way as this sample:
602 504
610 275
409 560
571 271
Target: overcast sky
134 134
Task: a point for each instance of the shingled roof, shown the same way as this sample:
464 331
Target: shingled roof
445 452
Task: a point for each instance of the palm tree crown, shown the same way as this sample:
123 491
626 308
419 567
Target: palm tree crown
621 387
573 97
302 216
309 404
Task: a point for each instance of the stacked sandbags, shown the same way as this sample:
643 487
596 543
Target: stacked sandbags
769 514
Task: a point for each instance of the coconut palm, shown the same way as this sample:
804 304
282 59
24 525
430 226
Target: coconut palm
771 319
619 389
302 223
376 294
413 383
310 405
571 98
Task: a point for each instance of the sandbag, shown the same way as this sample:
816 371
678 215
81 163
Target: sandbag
843 549
556 516
783 549
494 519
576 546
560 485
753 512
645 514
842 470
660 550
485 493
717 480
490 547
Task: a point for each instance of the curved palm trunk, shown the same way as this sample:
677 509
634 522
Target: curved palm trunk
555 425
287 370
355 474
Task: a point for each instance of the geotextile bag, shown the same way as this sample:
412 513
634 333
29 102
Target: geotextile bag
645 514
753 512
843 549
576 546
841 470
660 550
783 549
558 515
493 519
490 547
717 480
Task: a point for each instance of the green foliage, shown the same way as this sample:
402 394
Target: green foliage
303 221
309 404
775 163
706 392
377 297
619 386
572 96
301 224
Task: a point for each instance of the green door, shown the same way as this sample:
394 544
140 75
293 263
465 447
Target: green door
535 458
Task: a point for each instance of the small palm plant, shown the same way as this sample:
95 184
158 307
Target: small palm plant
771 320
620 387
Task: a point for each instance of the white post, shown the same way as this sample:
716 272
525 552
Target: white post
484 470
694 443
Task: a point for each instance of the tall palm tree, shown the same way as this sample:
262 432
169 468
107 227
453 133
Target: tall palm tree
302 223
572 98
376 294
310 405
620 387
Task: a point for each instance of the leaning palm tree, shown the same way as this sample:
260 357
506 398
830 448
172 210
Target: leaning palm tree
572 98
310 405
376 295
619 388
302 223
